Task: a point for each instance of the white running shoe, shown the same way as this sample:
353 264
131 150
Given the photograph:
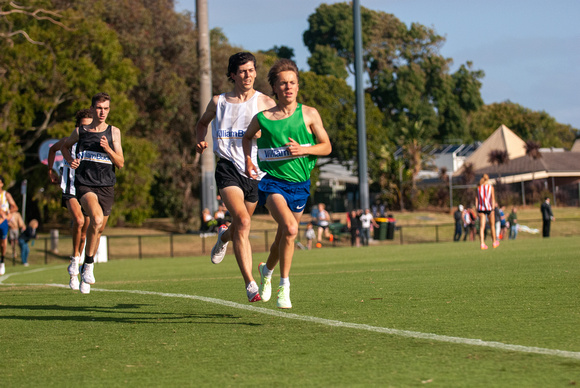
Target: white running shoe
220 248
87 276
284 298
265 289
85 288
2 269
73 267
74 283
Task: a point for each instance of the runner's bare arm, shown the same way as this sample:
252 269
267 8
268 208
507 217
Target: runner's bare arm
66 147
203 123
313 122
52 175
115 152
253 128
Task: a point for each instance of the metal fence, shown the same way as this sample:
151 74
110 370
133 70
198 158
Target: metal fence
182 245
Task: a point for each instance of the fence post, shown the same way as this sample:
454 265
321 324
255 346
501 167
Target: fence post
108 248
171 244
140 253
202 244
436 233
401 234
266 241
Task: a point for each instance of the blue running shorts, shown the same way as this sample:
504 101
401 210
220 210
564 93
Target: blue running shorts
295 193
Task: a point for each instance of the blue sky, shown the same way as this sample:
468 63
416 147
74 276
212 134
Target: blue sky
529 50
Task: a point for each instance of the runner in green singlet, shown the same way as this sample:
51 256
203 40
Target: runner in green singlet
292 137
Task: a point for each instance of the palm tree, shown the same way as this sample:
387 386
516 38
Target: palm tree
413 138
498 158
533 152
468 174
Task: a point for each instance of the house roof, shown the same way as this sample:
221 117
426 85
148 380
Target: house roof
503 139
524 168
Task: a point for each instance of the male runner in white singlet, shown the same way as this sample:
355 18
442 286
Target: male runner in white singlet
80 222
231 114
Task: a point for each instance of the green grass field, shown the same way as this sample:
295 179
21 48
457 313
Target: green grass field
445 315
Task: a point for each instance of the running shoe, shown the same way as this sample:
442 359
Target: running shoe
87 276
496 244
265 289
2 269
85 288
74 283
252 292
254 297
284 298
220 248
483 246
73 268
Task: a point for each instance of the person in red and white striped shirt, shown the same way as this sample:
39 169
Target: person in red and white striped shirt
484 202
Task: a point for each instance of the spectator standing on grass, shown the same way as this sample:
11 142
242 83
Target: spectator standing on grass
366 220
513 221
354 226
458 217
80 221
98 154
310 235
323 219
497 217
7 206
503 222
292 138
547 217
484 202
230 114
16 226
28 234
466 220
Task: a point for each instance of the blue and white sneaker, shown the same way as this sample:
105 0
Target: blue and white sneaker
220 248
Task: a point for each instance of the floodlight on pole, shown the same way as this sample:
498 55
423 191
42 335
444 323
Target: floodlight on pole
360 109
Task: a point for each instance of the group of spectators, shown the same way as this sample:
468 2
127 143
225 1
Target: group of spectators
467 223
358 224
211 223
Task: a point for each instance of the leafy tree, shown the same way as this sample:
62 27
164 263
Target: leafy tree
335 101
324 61
409 80
280 52
44 85
526 123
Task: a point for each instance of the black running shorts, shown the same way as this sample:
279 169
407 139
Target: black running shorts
227 175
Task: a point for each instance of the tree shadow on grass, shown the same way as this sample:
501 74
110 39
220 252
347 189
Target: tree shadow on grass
120 313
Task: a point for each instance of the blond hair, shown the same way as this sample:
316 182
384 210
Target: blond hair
484 179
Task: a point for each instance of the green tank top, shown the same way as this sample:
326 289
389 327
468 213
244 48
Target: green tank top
273 155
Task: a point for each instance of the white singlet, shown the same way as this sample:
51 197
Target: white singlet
228 128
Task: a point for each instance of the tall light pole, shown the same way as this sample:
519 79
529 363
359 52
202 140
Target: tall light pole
208 184
360 109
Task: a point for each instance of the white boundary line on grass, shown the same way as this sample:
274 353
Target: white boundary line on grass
331 322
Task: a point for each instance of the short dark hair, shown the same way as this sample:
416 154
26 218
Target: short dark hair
2 179
280 66
99 97
83 114
238 60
